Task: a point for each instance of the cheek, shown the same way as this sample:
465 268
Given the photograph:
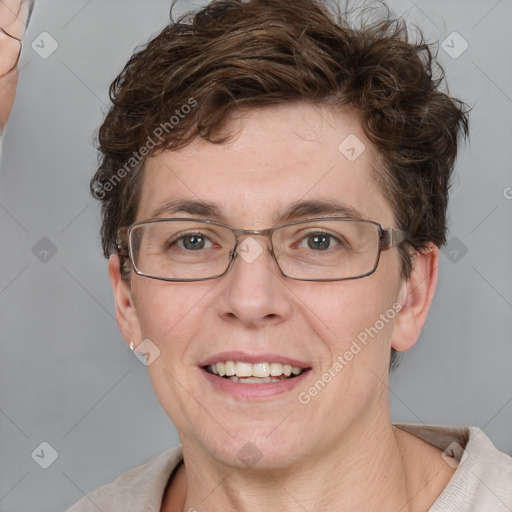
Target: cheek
169 316
169 313
346 312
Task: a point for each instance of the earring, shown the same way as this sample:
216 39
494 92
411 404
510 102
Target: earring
131 346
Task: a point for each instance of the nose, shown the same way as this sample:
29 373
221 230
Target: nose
253 290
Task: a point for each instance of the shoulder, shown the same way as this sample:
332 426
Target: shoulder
139 488
483 476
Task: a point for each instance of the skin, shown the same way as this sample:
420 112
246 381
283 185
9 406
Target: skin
13 21
340 451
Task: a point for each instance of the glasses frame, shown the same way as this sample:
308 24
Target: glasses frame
388 238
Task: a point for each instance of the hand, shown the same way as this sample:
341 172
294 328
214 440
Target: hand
14 16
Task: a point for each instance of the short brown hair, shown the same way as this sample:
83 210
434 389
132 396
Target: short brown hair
234 55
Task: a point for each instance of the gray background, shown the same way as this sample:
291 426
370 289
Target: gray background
68 378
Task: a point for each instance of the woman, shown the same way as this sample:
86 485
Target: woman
274 187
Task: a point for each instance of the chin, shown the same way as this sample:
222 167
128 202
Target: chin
267 446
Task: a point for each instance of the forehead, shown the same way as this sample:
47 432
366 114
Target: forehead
279 159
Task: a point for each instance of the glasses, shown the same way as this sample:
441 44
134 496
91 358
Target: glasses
321 249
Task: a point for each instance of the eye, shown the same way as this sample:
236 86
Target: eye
190 241
320 241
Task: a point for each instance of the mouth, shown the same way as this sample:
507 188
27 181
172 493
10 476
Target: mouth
254 373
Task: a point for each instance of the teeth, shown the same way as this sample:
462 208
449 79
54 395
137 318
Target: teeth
253 380
260 371
243 369
230 368
276 369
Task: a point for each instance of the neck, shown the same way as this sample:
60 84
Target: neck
377 468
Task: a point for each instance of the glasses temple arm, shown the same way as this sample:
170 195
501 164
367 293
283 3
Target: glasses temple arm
391 237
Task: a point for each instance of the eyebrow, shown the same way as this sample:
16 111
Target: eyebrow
301 208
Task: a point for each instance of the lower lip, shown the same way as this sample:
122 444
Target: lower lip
254 390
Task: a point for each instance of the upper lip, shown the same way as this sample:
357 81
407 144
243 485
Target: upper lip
254 358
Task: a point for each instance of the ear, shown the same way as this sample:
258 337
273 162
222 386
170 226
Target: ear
416 295
126 314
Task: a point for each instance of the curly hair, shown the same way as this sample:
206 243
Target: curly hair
233 55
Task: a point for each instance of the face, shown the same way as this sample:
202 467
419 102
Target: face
253 313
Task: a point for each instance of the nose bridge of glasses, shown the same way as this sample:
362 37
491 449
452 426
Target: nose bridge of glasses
262 232
242 234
